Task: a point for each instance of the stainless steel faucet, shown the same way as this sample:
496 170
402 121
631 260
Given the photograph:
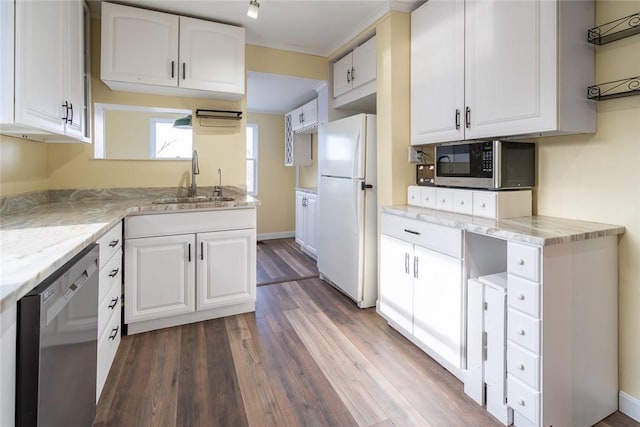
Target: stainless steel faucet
218 191
195 170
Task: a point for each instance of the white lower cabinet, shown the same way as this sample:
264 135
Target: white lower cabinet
306 222
109 302
187 267
160 278
421 288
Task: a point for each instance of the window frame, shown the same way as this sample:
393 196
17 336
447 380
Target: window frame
255 157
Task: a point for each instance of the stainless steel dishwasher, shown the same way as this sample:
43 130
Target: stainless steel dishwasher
57 347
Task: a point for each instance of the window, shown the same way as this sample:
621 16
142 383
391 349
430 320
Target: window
252 159
168 142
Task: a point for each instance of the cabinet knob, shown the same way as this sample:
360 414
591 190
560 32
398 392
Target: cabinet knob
483 205
521 332
521 367
461 202
521 262
521 297
444 200
427 199
520 402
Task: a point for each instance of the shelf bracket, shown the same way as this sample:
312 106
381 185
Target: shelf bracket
616 89
614 30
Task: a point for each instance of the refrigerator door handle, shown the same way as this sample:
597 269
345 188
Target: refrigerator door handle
364 186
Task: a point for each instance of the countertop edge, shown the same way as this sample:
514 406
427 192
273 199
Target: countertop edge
508 228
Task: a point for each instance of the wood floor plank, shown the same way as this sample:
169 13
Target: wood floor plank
164 379
193 378
224 398
339 369
258 399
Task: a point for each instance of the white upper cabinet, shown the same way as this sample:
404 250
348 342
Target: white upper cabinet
506 76
356 69
43 76
437 72
156 52
305 117
139 45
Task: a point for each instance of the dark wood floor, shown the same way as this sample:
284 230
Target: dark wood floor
281 260
306 357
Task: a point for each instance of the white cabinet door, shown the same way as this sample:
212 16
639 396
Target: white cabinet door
300 218
40 66
296 117
309 114
211 56
75 74
159 277
226 268
511 81
342 82
364 63
139 46
437 72
396 281
437 303
310 224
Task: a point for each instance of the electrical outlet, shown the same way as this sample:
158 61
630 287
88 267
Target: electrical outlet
414 155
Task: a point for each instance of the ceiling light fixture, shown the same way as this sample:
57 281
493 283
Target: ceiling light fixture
253 9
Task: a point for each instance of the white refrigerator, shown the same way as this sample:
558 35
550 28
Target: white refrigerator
347 216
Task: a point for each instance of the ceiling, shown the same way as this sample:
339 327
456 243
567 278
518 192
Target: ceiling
316 27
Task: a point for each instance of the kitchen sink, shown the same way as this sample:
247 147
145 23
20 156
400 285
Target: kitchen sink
193 199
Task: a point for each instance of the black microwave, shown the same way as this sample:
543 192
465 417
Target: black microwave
493 165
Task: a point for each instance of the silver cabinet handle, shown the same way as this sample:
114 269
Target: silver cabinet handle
467 117
202 251
406 230
406 263
521 332
521 262
348 76
521 297
113 303
353 74
114 272
114 333
66 112
457 119
189 255
415 267
114 243
184 71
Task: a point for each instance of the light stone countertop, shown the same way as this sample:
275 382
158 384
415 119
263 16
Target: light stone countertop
535 230
312 190
37 240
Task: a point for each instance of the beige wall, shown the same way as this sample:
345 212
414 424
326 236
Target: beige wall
597 178
23 166
393 37
276 182
308 177
277 61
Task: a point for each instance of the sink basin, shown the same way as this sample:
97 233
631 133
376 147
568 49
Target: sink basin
193 199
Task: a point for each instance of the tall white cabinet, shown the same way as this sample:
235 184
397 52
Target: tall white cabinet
44 80
187 267
149 51
484 69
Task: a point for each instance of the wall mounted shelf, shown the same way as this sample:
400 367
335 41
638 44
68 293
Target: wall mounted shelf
219 114
615 30
615 89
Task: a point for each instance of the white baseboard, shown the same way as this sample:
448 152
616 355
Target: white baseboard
629 405
280 235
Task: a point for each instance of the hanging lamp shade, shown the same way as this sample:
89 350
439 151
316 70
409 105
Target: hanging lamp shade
183 122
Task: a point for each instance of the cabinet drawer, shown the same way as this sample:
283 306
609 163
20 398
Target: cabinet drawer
523 399
484 204
428 197
523 261
108 306
413 195
110 274
523 330
107 346
523 365
110 243
189 222
444 199
463 202
435 237
524 295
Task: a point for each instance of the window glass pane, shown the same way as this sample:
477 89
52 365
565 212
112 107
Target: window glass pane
250 142
251 175
171 143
